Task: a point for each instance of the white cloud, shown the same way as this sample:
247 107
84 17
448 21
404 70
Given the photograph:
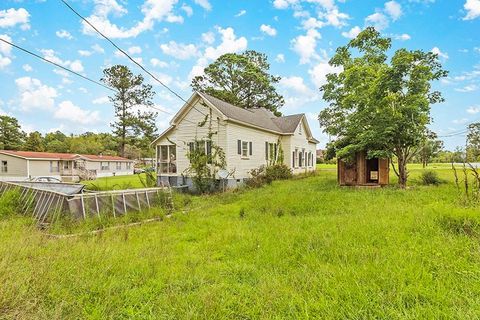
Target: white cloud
295 83
4 61
352 33
280 58
440 54
377 20
318 73
98 49
208 37
188 10
204 4
473 109
402 37
179 50
75 65
64 34
468 88
12 17
35 95
158 63
134 50
473 9
393 9
85 53
101 100
5 50
241 13
305 45
27 68
460 121
267 29
230 44
153 11
68 111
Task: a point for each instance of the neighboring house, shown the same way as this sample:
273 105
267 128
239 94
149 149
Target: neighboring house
22 165
250 138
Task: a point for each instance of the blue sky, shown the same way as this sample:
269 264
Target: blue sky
175 39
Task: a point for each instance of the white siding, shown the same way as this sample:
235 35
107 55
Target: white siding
300 142
187 130
243 165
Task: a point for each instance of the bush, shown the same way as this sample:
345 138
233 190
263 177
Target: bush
265 175
9 203
430 178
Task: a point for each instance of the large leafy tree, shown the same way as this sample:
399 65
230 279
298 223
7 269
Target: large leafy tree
430 148
11 135
131 95
242 80
34 142
380 105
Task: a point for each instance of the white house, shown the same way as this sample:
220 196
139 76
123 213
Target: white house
250 138
23 165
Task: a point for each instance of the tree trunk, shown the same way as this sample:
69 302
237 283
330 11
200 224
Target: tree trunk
402 171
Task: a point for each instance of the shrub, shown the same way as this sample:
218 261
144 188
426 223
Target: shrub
278 172
9 203
265 175
430 178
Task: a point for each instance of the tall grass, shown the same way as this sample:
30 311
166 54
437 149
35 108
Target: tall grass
294 249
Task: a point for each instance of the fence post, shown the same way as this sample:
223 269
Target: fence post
83 207
96 204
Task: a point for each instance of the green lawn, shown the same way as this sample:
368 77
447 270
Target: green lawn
304 248
116 183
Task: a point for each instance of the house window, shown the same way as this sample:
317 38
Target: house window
300 159
167 161
4 166
244 149
118 166
66 165
129 165
294 158
204 147
54 166
105 166
300 129
270 151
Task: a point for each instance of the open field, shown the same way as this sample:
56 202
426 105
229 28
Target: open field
304 248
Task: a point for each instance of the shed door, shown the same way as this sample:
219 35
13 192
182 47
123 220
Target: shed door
350 174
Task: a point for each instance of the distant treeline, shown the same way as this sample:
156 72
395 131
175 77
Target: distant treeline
12 137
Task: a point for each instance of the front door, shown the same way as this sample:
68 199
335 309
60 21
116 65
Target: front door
350 174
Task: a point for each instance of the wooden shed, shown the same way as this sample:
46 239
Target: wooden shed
363 171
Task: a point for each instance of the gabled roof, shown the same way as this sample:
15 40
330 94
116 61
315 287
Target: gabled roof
259 118
60 156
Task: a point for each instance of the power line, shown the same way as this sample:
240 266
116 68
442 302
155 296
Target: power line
122 51
55 64
129 57
78 74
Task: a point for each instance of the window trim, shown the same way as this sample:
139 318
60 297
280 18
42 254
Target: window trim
245 149
57 168
118 165
4 166
104 167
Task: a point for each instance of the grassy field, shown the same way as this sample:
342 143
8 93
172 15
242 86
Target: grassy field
303 249
116 183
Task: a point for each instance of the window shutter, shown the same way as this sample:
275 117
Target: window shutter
275 152
266 150
250 147
293 159
239 146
